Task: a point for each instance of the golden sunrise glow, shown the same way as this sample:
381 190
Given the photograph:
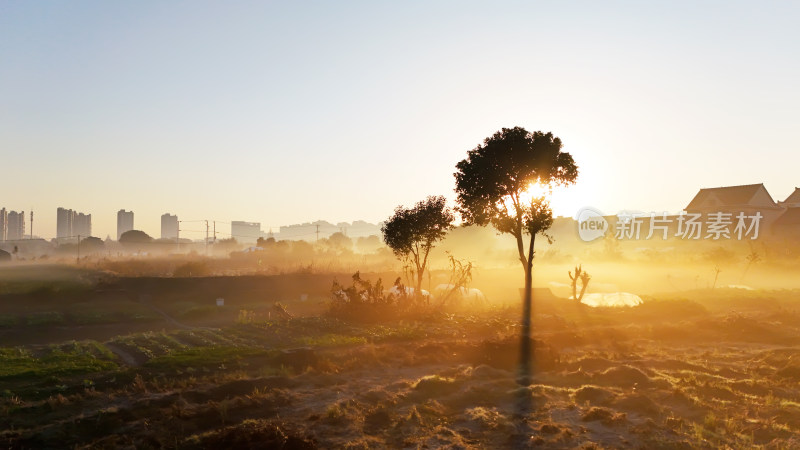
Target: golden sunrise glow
536 190
563 201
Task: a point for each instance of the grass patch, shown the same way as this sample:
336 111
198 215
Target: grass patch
330 340
217 357
69 359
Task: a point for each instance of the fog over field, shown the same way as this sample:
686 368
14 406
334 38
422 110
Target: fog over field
135 349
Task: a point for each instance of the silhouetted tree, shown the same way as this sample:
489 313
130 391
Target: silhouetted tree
302 251
92 244
135 237
582 275
340 241
492 184
265 243
412 232
368 244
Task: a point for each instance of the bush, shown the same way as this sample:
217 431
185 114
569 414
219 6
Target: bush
366 302
191 269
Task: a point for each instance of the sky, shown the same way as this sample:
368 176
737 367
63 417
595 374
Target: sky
289 112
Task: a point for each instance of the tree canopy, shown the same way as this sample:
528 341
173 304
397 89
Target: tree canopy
340 241
135 237
412 232
492 181
92 244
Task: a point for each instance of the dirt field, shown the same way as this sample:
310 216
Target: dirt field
699 369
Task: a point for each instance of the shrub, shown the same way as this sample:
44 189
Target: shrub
366 301
191 269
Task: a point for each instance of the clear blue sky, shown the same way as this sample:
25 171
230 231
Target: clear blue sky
284 113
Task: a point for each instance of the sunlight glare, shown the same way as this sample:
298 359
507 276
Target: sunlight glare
563 200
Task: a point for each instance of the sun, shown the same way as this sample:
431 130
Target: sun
563 200
535 190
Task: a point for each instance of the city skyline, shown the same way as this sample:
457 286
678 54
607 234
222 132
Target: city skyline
169 223
71 223
282 113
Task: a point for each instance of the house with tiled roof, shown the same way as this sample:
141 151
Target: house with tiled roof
748 196
787 225
749 199
793 200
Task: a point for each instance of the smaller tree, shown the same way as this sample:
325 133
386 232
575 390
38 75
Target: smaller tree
135 237
412 232
368 244
92 244
266 243
340 241
582 275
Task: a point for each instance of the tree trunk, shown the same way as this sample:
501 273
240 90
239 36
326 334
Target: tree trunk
583 291
526 363
575 287
418 289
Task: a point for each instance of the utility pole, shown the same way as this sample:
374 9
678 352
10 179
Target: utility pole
79 249
31 223
215 231
206 237
178 237
317 233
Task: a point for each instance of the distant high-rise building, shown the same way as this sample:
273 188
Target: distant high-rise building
3 224
16 226
70 224
246 232
64 219
82 226
169 226
124 222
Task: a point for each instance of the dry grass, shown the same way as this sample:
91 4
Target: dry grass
620 380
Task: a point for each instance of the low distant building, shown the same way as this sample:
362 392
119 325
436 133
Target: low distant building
169 226
310 231
245 232
124 222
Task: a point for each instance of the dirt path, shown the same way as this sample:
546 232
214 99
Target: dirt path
126 357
